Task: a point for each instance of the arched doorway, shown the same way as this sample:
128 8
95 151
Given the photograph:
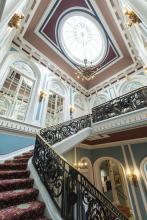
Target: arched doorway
143 168
88 172
110 179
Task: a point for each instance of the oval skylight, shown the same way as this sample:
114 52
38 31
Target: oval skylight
81 36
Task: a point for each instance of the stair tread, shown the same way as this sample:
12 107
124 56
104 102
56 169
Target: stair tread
30 210
27 154
24 156
42 218
13 171
6 166
11 174
15 197
17 160
18 198
12 184
8 194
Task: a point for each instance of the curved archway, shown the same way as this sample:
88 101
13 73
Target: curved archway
143 169
89 171
56 105
19 86
80 105
98 100
132 84
15 56
110 179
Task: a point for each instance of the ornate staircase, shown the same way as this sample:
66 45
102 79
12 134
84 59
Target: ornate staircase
18 198
73 195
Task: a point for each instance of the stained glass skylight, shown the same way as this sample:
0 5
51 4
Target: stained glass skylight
82 37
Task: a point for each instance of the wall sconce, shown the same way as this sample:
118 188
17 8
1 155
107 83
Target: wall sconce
145 69
15 21
132 17
71 109
42 95
133 176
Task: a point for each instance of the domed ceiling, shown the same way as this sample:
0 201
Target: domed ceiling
70 31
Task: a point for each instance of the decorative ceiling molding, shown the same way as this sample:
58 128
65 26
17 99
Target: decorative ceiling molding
49 25
29 48
25 47
37 56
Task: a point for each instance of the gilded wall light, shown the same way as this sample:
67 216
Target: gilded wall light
132 17
133 176
15 21
145 69
42 95
71 110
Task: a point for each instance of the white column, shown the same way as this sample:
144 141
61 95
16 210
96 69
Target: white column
6 33
140 7
137 39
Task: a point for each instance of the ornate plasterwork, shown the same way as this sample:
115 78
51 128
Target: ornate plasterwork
49 28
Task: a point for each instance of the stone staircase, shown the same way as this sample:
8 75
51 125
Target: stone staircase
18 198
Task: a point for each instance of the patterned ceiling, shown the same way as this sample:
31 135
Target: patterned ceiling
50 23
43 33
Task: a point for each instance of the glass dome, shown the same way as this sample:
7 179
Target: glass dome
82 37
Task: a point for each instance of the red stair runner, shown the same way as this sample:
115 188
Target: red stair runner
18 198
10 174
12 184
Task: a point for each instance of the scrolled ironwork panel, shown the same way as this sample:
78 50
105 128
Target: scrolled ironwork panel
59 132
129 102
74 196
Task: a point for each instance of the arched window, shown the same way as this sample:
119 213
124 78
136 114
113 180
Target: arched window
80 106
55 109
99 100
15 93
55 105
129 86
143 168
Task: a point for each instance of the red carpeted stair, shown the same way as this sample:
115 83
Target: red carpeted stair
18 198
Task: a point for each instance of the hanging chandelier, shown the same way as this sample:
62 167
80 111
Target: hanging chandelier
82 164
87 71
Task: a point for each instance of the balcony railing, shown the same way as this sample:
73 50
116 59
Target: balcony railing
129 102
55 134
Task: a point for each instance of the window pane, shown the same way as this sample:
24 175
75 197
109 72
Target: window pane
54 110
15 96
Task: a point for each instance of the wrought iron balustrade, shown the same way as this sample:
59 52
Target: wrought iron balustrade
74 196
127 103
55 134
